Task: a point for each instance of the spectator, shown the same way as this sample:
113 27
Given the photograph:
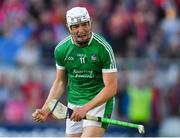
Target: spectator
140 104
4 93
33 91
170 25
172 99
16 109
29 55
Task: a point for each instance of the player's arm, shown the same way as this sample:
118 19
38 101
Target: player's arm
56 91
57 88
110 81
110 89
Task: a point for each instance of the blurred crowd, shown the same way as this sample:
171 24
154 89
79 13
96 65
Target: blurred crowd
30 29
145 37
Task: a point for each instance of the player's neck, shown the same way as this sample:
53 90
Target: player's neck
83 44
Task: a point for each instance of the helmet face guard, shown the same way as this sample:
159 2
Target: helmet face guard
75 16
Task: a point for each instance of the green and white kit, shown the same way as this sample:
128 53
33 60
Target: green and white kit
84 66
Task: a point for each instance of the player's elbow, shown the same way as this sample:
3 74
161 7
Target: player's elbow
110 81
113 89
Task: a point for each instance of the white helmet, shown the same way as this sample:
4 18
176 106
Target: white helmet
77 15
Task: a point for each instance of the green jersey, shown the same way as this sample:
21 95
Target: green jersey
84 67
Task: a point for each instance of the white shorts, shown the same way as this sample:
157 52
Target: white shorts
77 127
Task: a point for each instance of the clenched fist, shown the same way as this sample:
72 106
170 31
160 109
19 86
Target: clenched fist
40 115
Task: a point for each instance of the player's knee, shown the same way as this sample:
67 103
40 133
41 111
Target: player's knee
93 131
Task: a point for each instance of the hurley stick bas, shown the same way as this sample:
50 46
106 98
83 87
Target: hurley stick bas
60 111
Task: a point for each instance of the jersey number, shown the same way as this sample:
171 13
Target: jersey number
82 60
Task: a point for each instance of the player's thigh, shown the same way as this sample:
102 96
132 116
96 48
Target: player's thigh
73 135
73 128
93 131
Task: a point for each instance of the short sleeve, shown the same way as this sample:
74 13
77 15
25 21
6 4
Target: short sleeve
59 57
108 59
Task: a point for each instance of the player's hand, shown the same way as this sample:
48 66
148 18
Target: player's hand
40 115
78 114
